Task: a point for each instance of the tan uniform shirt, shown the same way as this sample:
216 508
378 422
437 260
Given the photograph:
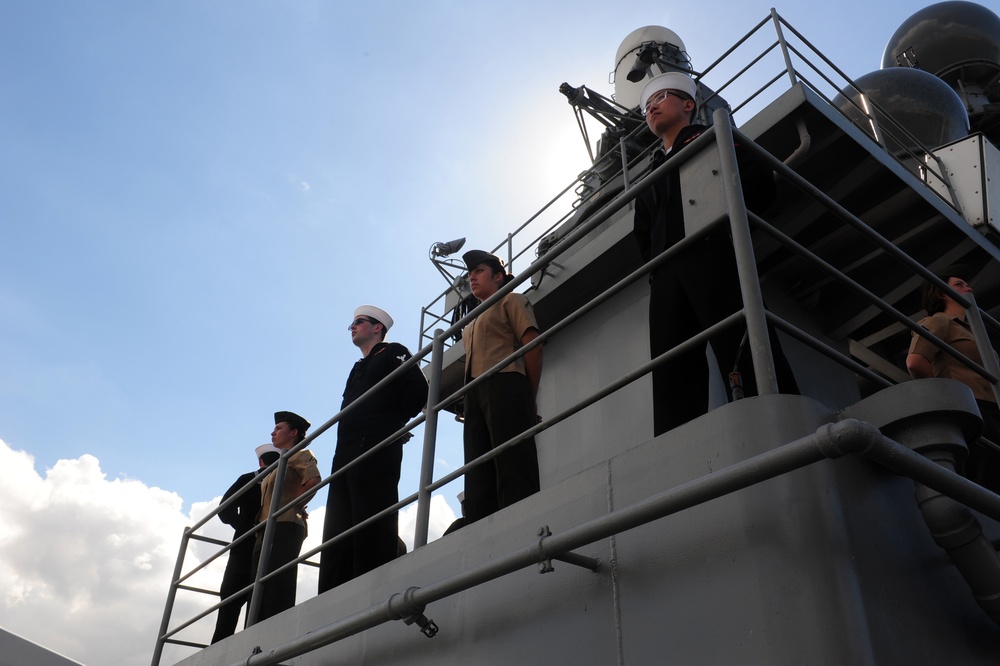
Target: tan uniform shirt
496 334
957 334
301 468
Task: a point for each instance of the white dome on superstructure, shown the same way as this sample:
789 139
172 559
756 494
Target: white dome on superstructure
669 54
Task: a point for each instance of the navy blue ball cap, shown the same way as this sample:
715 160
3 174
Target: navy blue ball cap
473 258
292 419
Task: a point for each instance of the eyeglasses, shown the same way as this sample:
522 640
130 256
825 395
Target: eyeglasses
662 95
359 321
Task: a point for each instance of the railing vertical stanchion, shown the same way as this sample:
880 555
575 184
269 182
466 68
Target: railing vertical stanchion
746 263
168 609
430 441
975 319
784 47
265 551
623 148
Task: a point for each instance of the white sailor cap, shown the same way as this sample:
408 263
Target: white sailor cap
378 314
671 80
267 448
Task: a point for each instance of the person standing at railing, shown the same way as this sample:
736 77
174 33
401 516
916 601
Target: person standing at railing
290 528
242 516
372 485
700 286
946 320
503 406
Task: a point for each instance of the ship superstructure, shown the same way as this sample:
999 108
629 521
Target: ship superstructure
828 527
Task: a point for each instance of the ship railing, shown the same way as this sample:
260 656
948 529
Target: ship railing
753 315
750 59
798 62
265 530
980 322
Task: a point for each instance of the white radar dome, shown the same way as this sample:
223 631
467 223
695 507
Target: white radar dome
643 54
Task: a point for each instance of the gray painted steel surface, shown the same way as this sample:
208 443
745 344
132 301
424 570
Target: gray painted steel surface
18 651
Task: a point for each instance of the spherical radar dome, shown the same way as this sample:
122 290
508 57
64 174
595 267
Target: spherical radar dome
922 103
627 92
947 36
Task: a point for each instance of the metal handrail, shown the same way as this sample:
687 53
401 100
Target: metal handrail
514 246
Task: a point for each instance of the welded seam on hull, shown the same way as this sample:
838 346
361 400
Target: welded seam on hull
615 588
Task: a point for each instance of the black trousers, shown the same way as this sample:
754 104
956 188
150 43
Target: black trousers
497 410
362 492
279 592
239 573
687 295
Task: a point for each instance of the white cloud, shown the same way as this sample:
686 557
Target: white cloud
85 562
302 185
440 518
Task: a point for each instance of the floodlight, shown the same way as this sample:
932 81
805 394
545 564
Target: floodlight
446 249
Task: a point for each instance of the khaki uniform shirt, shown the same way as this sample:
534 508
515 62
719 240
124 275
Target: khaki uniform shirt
496 334
957 334
301 468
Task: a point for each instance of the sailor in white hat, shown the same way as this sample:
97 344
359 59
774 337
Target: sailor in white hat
373 316
241 515
372 485
700 286
668 102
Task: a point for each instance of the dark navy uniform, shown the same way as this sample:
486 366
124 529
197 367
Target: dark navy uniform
241 515
694 291
372 486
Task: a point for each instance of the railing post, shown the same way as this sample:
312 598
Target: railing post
171 596
870 114
265 549
430 441
784 47
420 340
746 263
626 181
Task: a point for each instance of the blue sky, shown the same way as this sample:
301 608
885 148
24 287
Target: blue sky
195 195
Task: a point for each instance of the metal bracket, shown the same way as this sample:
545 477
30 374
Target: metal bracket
403 607
427 627
545 563
257 650
545 566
